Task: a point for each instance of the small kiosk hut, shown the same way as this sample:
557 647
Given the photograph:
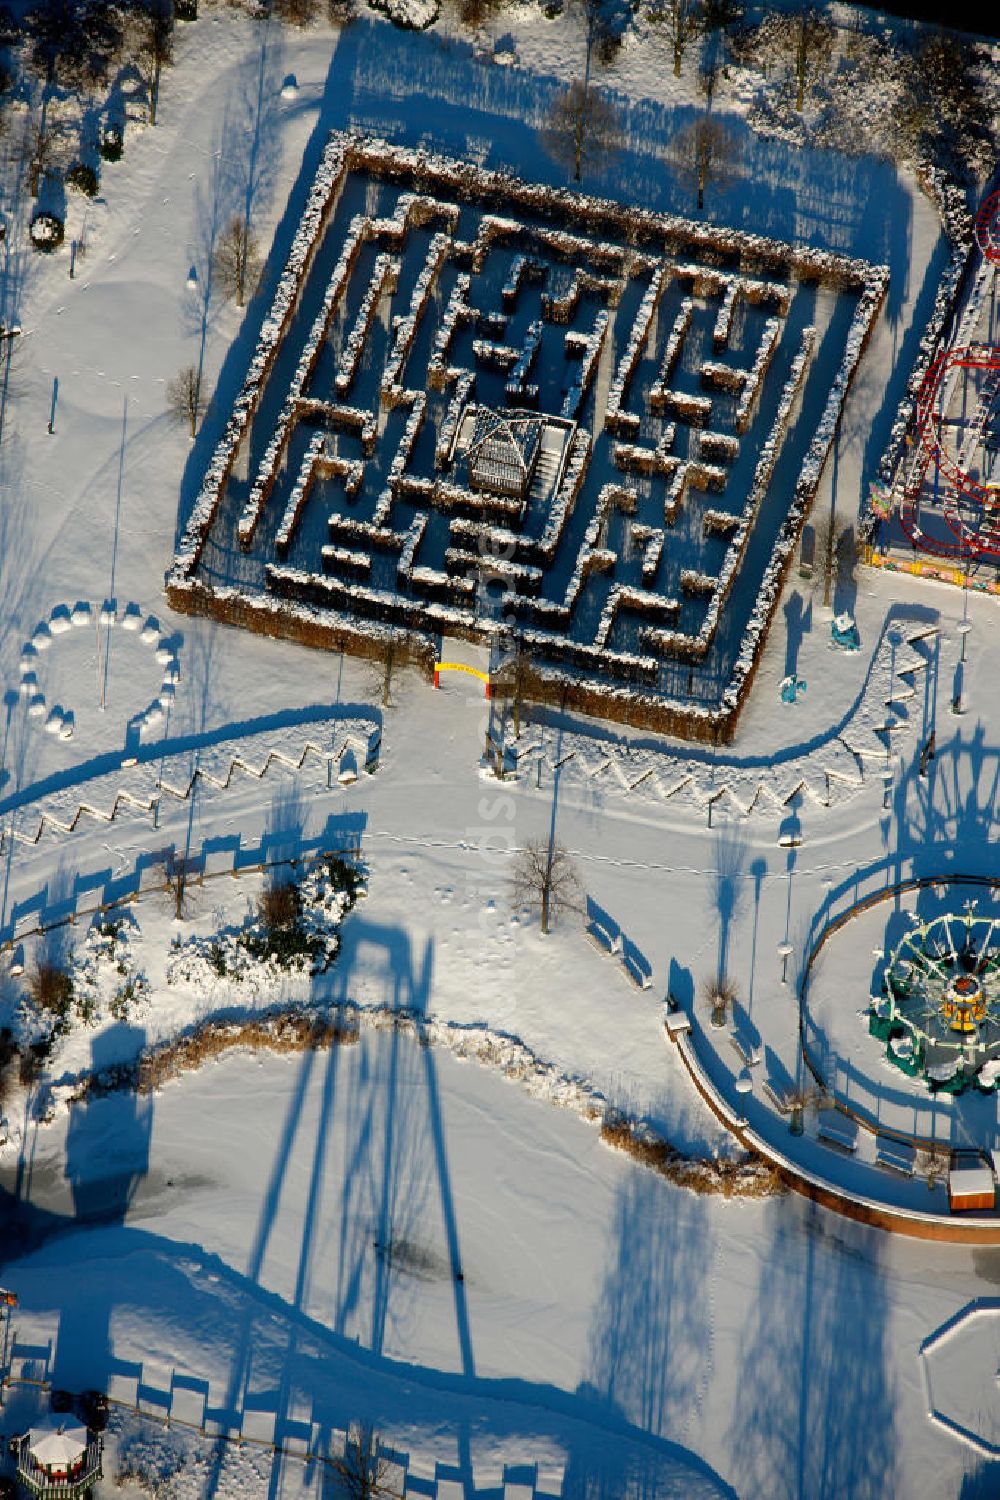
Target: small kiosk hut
971 1184
58 1461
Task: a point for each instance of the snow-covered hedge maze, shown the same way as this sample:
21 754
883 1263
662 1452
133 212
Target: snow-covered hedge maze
480 405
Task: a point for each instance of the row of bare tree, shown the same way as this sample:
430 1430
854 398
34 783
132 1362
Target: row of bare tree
936 96
235 269
74 48
74 45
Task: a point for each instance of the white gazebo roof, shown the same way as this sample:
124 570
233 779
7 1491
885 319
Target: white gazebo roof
57 1446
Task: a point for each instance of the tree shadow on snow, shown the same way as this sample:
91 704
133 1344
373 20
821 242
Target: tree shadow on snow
651 1338
815 1401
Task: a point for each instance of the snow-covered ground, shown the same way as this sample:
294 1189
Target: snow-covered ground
291 1240
382 1230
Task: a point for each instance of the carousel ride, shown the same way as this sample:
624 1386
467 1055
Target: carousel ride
939 1008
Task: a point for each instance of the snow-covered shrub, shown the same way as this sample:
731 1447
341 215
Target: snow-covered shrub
84 178
724 317
951 204
105 979
112 142
456 313
47 232
696 411
718 445
719 522
589 347
402 455
406 328
296 926
51 988
695 583
409 15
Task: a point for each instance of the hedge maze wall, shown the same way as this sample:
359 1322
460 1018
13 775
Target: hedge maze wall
485 408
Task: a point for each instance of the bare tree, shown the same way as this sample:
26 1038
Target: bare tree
718 992
50 986
236 264
932 1163
545 880
515 679
384 668
582 128
799 41
475 13
800 1098
825 544
813 50
279 906
72 43
708 74
683 21
184 399
361 1472
803 40
703 152
176 881
153 50
6 86
605 22
947 89
835 553
38 150
8 1055
719 17
295 12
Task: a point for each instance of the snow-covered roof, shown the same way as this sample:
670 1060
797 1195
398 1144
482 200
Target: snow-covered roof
57 1445
506 437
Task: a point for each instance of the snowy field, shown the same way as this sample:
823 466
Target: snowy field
421 1225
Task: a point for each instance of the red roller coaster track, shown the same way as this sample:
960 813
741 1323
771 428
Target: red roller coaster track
971 505
988 227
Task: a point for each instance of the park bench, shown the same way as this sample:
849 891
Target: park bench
745 1049
895 1156
836 1130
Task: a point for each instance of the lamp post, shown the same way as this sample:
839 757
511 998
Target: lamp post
785 951
8 333
963 629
